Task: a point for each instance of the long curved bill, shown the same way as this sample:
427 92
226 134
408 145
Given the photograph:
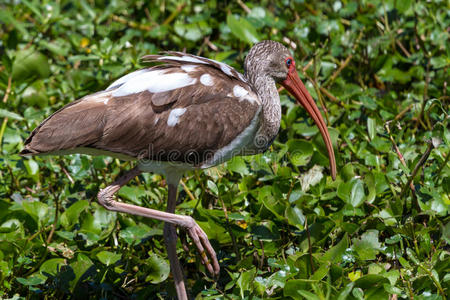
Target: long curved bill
296 87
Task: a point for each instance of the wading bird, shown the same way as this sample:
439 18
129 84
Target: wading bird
186 112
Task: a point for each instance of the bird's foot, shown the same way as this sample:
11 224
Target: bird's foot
207 253
106 196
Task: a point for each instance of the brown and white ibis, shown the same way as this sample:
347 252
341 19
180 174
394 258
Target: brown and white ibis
186 112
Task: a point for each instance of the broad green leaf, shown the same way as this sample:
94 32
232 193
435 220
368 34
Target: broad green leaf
9 114
353 276
32 167
213 187
71 215
132 193
358 293
346 291
295 216
242 29
300 152
321 272
159 269
357 195
370 280
134 234
108 258
237 164
368 246
37 210
52 266
34 279
335 253
347 172
295 289
245 281
265 231
30 63
80 267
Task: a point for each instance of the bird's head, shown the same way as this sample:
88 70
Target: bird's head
274 60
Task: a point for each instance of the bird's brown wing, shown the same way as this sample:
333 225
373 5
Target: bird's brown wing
143 116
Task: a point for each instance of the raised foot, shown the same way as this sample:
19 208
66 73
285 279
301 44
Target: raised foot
204 247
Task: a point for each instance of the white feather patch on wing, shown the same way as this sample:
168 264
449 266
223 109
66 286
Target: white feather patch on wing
183 58
206 79
188 68
125 78
156 81
241 77
174 115
239 91
103 96
225 68
244 94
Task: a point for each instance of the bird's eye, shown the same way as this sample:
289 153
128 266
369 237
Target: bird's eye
288 62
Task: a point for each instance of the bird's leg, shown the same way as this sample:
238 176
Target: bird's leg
170 239
198 236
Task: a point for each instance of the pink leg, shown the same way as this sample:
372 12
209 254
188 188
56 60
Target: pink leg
198 236
170 239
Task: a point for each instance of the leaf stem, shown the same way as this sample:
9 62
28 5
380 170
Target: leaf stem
421 162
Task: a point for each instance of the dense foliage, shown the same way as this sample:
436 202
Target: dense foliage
281 227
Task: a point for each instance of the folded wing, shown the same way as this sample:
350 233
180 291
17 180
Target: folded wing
182 110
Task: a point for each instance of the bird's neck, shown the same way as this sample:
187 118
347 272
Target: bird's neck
271 109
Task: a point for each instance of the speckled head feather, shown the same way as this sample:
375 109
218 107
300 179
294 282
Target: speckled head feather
267 58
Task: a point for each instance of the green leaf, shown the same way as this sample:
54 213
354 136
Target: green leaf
371 280
134 234
80 267
34 279
355 275
352 192
132 193
245 281
296 289
31 166
335 253
237 164
369 181
371 127
295 216
242 29
368 246
9 114
212 187
321 272
346 291
357 195
70 216
30 63
108 258
37 210
6 17
52 266
34 9
439 62
59 46
300 152
159 269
